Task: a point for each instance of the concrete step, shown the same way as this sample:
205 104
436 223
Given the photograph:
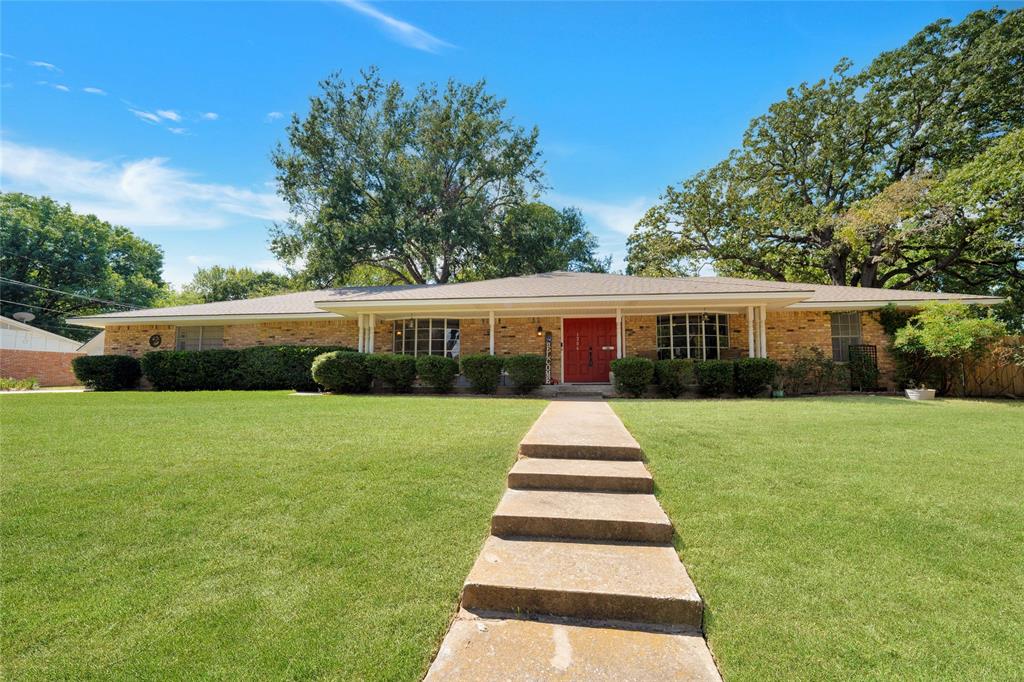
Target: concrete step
586 515
569 429
638 583
581 474
493 649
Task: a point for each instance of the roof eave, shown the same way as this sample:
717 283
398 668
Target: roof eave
905 303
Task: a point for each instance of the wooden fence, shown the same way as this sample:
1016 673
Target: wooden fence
999 374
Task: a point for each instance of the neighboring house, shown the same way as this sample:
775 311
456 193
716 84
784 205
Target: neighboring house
29 352
93 346
582 321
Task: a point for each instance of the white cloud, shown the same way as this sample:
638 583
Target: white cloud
178 131
62 88
402 31
273 116
169 114
94 91
142 193
619 217
46 65
147 116
270 264
209 116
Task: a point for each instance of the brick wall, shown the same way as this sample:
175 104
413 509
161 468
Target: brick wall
50 368
785 331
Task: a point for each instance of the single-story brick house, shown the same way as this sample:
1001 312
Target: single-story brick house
580 321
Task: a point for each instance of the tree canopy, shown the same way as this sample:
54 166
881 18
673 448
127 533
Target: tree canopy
217 283
56 263
422 186
887 177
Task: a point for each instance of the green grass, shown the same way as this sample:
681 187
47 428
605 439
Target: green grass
242 535
845 538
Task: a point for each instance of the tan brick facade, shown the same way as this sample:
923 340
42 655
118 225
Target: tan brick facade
785 331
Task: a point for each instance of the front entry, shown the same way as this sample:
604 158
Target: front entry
589 348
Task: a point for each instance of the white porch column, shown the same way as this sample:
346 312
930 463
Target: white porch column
491 335
750 331
359 344
373 331
619 333
764 340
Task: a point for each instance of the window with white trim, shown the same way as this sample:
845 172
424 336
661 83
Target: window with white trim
426 337
199 338
845 333
700 336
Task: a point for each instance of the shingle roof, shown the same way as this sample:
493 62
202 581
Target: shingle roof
551 285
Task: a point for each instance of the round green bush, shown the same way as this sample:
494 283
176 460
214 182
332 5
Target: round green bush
632 375
107 372
397 372
437 371
673 376
526 372
342 371
714 377
753 375
483 372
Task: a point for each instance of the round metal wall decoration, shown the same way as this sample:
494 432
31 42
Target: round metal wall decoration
155 340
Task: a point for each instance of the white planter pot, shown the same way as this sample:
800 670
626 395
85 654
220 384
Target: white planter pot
920 393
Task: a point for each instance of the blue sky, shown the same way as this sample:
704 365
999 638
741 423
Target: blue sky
161 115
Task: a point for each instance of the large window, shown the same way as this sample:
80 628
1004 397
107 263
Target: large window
701 336
200 338
426 337
845 333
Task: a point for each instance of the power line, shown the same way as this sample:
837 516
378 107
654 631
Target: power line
37 307
68 293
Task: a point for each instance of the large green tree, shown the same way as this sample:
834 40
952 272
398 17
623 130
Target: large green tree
76 264
536 238
418 185
217 283
779 206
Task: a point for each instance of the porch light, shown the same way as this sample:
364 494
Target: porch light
540 330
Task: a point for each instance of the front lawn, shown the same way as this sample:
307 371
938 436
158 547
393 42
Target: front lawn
848 538
242 535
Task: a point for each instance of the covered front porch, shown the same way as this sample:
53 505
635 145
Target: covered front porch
578 339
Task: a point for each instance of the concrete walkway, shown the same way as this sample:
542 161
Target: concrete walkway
579 579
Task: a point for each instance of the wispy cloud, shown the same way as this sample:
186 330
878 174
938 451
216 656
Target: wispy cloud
273 116
46 65
402 31
147 116
209 116
169 114
94 91
62 87
178 131
142 193
618 217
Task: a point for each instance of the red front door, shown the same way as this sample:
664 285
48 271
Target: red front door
588 348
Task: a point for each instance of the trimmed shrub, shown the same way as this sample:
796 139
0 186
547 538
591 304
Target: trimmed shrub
753 375
437 371
280 367
632 375
107 372
525 371
397 372
863 372
342 371
673 376
483 372
255 368
714 377
183 370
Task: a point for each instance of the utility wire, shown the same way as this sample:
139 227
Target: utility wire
68 293
37 307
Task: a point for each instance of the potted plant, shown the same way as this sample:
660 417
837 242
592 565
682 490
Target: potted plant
920 393
779 385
